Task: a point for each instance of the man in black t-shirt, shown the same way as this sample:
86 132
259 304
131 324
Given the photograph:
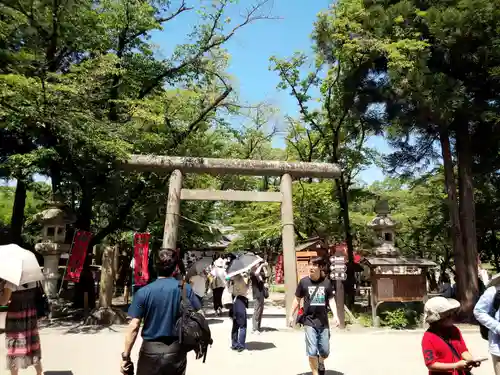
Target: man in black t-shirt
317 294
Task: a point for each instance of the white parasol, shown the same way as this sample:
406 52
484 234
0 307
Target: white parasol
19 266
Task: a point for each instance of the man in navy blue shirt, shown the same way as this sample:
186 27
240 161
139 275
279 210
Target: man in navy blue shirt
157 305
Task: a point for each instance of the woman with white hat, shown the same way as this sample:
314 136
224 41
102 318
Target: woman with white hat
218 283
443 346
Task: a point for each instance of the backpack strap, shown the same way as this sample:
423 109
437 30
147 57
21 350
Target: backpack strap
496 302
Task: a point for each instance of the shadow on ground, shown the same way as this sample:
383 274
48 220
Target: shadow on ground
327 372
258 346
86 329
269 329
58 373
215 321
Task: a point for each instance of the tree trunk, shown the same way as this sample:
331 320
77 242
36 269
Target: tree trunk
344 210
17 218
107 277
453 211
468 217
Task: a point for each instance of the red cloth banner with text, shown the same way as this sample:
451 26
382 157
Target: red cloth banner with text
77 256
279 271
141 258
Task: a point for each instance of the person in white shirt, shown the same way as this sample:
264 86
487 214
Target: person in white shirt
218 283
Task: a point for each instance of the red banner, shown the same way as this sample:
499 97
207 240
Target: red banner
77 257
279 271
141 257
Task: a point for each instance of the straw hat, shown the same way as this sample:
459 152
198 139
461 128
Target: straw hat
436 308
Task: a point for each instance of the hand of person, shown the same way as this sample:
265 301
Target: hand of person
125 366
291 321
336 321
461 365
474 363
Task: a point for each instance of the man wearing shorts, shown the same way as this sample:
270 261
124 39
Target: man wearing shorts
317 293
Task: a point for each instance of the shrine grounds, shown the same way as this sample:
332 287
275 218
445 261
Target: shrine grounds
76 350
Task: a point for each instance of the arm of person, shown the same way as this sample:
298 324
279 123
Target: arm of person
5 296
333 303
483 308
195 303
136 312
299 294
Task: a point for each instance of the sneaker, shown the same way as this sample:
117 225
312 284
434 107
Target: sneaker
321 368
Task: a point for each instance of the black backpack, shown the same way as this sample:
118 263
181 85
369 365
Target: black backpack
496 305
192 328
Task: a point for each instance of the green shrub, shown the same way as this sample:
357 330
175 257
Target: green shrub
365 320
399 318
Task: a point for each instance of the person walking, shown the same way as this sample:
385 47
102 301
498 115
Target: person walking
218 283
21 327
487 313
443 346
238 312
258 279
317 293
157 306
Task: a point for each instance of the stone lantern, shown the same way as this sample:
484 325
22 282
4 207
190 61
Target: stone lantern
54 220
384 227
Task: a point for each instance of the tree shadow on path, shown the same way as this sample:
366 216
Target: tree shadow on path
258 346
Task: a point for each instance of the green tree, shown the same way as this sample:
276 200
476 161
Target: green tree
426 62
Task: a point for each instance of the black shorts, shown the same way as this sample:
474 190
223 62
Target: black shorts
162 358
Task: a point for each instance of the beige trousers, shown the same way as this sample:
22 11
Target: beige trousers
496 364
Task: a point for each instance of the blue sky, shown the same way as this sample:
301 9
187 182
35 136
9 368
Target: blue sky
251 48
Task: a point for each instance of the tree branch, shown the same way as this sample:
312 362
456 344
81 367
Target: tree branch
210 41
193 126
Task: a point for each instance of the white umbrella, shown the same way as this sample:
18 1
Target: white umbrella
19 266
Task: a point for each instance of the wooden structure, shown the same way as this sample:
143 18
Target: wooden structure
287 170
393 278
307 250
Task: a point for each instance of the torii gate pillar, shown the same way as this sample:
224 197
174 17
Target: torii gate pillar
288 242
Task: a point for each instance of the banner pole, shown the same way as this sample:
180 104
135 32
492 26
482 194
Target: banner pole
67 262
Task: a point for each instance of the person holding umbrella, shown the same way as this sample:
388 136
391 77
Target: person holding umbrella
20 273
237 273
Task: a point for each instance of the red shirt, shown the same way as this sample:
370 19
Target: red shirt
435 349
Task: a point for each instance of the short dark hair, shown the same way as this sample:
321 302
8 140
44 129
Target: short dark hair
167 262
317 261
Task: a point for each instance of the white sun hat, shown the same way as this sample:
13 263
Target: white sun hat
437 307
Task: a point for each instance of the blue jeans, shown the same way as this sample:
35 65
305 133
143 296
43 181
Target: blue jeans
317 341
239 331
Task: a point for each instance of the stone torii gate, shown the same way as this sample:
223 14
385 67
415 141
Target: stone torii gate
287 170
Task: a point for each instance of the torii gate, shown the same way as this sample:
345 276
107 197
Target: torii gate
179 165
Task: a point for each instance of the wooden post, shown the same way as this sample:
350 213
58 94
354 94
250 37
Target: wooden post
173 211
107 277
288 233
339 296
